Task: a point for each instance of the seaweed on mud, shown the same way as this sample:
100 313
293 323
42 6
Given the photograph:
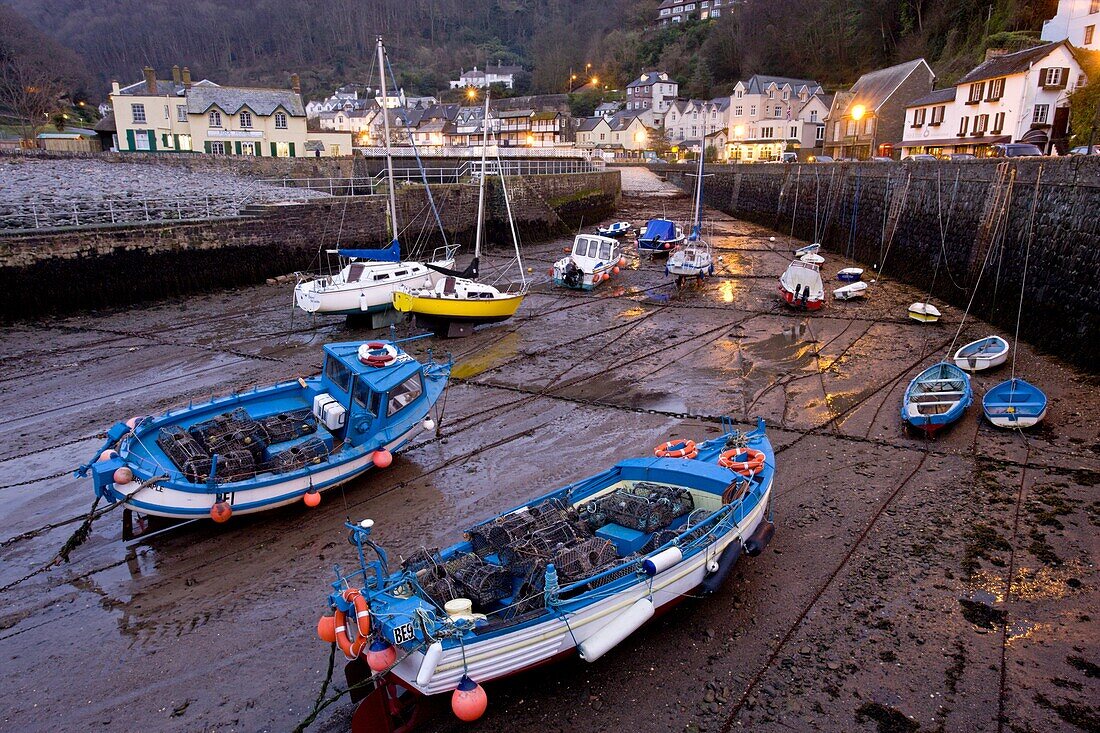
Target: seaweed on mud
982 615
1084 665
1048 502
889 720
958 665
987 475
981 541
1077 714
1042 550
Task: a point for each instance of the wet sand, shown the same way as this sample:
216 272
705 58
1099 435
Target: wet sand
877 607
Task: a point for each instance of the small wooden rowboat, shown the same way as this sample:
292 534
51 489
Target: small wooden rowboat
982 354
924 312
1015 404
937 397
850 292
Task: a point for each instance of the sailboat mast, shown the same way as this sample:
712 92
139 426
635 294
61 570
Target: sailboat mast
386 127
697 225
481 182
511 219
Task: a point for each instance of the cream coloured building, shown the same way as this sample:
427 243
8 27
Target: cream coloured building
178 116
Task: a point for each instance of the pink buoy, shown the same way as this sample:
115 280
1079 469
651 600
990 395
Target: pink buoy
133 421
615 269
381 655
382 458
107 455
123 475
469 700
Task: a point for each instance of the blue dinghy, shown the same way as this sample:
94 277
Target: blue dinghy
937 397
576 570
1015 404
617 229
659 236
274 445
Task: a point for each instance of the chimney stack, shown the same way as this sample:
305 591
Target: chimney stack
296 83
186 78
992 53
176 73
150 80
114 86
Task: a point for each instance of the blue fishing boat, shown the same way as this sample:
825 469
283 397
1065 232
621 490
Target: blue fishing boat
275 445
575 571
618 229
659 236
1015 403
937 397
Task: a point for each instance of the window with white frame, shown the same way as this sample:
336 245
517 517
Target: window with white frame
138 112
181 113
167 113
852 127
1090 33
813 115
738 111
977 90
766 132
246 119
981 124
752 110
1040 114
819 135
141 139
778 111
996 89
794 131
869 126
1051 77
217 148
280 120
715 13
919 116
998 122
937 115
964 125
215 118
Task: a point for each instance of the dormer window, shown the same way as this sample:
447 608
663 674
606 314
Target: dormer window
280 120
246 119
215 118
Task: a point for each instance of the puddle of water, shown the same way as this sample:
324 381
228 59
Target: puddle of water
626 392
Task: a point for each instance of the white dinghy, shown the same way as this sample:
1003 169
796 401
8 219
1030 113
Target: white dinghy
850 292
992 351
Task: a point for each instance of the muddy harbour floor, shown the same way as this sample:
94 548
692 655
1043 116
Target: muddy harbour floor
945 585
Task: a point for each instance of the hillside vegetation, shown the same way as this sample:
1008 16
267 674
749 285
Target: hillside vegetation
332 42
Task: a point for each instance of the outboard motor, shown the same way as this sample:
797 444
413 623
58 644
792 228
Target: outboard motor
573 275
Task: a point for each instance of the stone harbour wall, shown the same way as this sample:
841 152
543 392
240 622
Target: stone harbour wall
62 271
845 207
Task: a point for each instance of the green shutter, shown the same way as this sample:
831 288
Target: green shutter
237 145
130 144
274 150
291 150
176 141
258 147
206 147
152 141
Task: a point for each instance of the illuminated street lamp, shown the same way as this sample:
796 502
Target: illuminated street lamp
471 93
595 80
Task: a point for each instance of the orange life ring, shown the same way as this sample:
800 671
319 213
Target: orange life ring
753 465
353 648
686 449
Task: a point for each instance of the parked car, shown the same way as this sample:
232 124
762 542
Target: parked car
1014 150
789 158
925 157
962 156
822 159
882 159
1083 150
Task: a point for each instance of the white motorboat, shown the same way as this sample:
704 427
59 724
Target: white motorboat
851 291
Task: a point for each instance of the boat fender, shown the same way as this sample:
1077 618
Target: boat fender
431 661
760 538
726 561
662 561
617 629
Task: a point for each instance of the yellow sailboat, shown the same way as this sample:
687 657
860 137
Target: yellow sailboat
456 303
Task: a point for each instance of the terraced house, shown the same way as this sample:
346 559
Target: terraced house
179 116
677 11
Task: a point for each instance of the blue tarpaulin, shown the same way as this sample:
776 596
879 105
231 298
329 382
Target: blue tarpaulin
659 230
389 254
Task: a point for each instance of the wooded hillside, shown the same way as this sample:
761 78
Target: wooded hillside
430 40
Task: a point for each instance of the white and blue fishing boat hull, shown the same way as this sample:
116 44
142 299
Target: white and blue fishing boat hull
1015 404
850 274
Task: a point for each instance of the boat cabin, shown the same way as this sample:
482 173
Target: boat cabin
594 248
461 288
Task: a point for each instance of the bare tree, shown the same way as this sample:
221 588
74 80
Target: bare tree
35 73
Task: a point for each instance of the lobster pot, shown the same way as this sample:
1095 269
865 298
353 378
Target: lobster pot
626 570
310 451
484 583
638 512
441 589
575 562
235 465
506 531
289 425
594 513
678 499
190 457
230 431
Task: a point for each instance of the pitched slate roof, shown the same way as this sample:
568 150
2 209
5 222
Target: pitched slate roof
1010 63
165 87
649 78
622 120
232 99
875 87
940 96
588 124
757 83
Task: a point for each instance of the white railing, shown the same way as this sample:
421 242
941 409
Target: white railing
46 214
565 150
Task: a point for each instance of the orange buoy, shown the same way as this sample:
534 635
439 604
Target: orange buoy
107 455
123 475
326 628
382 458
221 512
312 498
469 700
622 262
615 269
381 655
550 272
566 250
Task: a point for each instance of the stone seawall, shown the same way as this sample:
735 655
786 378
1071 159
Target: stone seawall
62 271
845 207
